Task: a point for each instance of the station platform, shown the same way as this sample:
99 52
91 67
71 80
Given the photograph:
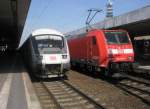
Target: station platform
16 92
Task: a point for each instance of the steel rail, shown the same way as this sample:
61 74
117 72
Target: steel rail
97 105
52 96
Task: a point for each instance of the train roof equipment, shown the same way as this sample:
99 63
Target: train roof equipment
90 17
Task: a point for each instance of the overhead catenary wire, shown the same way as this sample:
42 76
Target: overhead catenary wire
34 20
43 10
89 19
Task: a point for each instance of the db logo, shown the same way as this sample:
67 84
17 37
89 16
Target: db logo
52 58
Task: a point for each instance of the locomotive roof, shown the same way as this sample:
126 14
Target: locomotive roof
74 36
46 31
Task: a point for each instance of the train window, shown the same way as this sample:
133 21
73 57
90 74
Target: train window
94 40
49 43
116 37
111 39
123 37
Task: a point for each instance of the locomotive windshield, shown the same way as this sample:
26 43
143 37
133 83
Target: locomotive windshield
49 43
116 37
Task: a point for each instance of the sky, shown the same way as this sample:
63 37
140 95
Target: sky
68 15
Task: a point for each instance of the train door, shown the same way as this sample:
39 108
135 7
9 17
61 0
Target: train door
92 49
89 48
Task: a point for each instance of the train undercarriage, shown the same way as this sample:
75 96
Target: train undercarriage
113 69
51 70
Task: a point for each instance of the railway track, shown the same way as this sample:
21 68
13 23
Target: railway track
141 74
62 95
138 87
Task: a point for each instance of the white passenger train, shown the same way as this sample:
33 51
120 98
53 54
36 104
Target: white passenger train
46 53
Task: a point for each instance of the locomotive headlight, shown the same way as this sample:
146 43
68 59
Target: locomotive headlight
64 56
129 57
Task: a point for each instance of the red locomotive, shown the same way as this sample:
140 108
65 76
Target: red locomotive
102 50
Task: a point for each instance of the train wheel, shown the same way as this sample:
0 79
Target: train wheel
89 68
106 72
73 65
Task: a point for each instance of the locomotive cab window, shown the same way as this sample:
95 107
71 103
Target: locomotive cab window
116 37
94 40
49 43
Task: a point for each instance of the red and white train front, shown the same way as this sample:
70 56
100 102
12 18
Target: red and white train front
120 50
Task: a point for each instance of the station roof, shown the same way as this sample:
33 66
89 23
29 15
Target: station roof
142 38
136 22
13 14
